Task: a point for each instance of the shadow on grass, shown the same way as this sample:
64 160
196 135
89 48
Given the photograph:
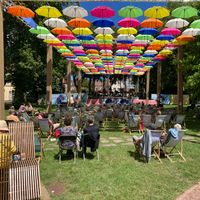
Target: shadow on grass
136 156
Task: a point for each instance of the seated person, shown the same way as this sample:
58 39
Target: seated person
11 116
92 130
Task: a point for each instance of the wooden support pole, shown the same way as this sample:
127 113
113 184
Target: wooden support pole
69 71
49 78
158 82
1 64
79 83
180 80
147 83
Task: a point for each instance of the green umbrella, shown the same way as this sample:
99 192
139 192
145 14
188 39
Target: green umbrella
195 24
39 30
144 37
64 51
105 41
71 41
130 12
137 51
184 12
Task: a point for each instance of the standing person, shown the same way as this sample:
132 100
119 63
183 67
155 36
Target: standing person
11 116
71 101
22 108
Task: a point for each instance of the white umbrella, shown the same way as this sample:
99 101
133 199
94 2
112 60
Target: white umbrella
151 52
191 31
55 23
140 42
46 36
122 51
177 23
76 47
105 30
75 12
125 37
106 51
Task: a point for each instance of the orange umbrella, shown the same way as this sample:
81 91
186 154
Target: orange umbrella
151 23
154 47
61 31
185 38
79 22
21 11
92 51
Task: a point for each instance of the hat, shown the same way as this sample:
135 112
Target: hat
3 125
178 126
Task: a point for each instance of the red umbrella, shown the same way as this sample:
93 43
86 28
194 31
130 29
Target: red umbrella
170 31
129 22
102 12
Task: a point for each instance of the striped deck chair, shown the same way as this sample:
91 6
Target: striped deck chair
24 172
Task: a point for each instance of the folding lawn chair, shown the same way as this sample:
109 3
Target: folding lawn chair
44 127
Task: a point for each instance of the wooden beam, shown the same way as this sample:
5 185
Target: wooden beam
1 64
49 77
180 80
158 82
147 83
69 71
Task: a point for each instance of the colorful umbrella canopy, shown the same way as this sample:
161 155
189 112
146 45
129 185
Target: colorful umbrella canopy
144 37
85 37
103 23
82 31
39 30
191 31
104 31
75 12
177 23
48 11
104 37
20 11
184 12
151 23
62 31
126 31
55 22
170 31
125 37
55 40
148 31
66 37
46 36
195 24
79 22
156 12
165 37
129 22
102 12
130 12
185 38
106 51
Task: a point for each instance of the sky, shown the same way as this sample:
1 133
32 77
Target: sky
116 6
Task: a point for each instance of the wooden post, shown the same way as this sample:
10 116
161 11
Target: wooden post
69 70
79 84
49 77
1 64
147 84
158 82
180 80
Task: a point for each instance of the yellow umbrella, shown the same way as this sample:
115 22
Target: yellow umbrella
160 42
82 31
156 12
127 31
48 11
165 52
104 37
55 41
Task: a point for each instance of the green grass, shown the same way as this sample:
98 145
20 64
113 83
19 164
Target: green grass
120 174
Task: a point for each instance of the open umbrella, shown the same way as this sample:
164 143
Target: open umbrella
195 24
48 11
130 12
191 31
144 37
185 38
129 22
106 30
184 12
103 23
39 30
125 37
170 31
82 31
148 31
85 37
177 23
102 12
46 36
75 11
66 37
62 31
156 12
55 22
20 11
79 22
126 31
165 37
151 23
104 37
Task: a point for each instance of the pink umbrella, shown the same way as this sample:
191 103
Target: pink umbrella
66 37
129 22
102 12
78 51
170 31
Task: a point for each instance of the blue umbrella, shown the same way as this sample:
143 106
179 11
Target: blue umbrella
30 22
72 45
85 37
148 55
148 31
121 54
103 23
125 41
70 56
80 54
165 37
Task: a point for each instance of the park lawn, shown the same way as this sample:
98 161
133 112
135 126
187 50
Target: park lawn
120 174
